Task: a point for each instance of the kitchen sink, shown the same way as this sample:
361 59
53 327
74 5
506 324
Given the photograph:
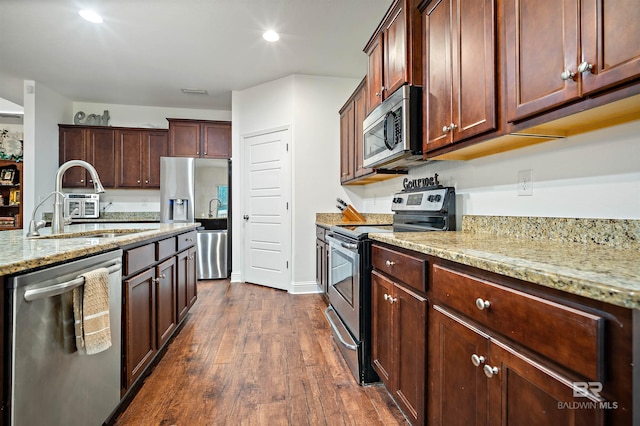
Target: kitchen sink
98 233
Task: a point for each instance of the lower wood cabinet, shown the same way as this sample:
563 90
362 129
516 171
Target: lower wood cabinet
160 287
399 338
322 261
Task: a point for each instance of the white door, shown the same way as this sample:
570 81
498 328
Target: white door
266 209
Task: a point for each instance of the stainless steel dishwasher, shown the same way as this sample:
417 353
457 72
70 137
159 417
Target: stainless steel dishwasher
51 384
212 254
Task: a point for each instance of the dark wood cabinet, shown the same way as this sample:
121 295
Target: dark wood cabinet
322 261
399 331
560 51
11 197
186 283
123 157
96 146
394 53
459 70
166 317
140 324
199 138
347 143
139 159
159 288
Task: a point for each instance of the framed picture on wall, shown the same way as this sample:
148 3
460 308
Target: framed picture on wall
6 176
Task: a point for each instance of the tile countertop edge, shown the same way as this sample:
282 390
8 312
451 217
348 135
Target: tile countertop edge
610 289
30 254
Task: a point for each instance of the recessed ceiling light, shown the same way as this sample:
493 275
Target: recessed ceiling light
91 16
195 91
271 36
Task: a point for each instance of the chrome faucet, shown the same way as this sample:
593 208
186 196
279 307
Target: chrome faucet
57 223
33 225
218 205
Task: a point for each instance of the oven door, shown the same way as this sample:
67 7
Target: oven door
344 282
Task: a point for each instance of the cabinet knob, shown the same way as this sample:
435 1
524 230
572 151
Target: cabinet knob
156 280
205 153
90 180
477 360
445 128
146 181
482 304
138 181
567 75
390 263
585 67
490 371
390 299
81 180
378 94
449 128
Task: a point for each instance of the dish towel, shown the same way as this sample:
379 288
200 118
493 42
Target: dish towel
91 312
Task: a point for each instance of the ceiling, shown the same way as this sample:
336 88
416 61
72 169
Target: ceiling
145 51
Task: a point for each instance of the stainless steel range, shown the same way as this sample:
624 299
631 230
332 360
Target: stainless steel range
349 312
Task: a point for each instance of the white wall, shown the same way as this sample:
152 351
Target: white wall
593 175
43 110
309 105
145 116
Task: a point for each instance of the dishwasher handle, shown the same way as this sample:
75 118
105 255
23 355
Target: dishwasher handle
57 289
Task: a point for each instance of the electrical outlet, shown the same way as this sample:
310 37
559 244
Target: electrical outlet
525 182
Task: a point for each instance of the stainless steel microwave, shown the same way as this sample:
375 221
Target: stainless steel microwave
392 132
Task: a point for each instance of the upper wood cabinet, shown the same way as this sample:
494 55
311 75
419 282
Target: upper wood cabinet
140 152
199 139
123 157
351 144
459 70
559 51
96 146
394 52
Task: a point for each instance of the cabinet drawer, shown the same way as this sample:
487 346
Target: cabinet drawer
139 258
571 337
320 233
186 240
408 269
165 248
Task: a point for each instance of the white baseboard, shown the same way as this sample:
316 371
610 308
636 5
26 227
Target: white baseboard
236 277
305 287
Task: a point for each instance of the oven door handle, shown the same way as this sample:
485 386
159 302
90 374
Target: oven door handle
349 248
336 331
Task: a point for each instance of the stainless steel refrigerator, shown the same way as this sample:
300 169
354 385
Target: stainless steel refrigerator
198 190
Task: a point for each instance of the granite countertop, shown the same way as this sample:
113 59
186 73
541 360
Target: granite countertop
20 253
114 217
599 271
327 220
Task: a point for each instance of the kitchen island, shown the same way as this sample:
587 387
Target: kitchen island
521 320
155 287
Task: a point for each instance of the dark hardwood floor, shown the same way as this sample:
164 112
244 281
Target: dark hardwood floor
251 355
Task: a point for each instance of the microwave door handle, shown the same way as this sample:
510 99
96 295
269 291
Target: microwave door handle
386 134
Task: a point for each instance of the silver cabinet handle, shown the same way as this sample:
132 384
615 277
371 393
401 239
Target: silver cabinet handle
378 94
390 263
490 371
449 128
81 180
585 67
567 75
477 360
445 128
390 299
156 280
146 181
386 296
138 181
482 304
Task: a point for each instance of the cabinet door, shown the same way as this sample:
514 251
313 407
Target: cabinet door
192 282
395 51
410 331
457 388
184 139
437 77
541 44
382 347
140 334
359 113
216 140
319 263
610 34
375 87
101 154
182 302
347 144
155 145
72 146
474 64
130 149
166 318
522 391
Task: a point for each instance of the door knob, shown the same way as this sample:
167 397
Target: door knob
245 217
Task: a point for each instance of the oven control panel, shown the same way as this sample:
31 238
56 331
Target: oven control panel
426 200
